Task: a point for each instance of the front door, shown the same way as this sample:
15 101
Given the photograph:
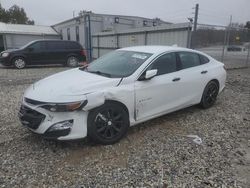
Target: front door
161 93
36 53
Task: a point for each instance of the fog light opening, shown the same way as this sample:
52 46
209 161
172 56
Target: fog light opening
64 125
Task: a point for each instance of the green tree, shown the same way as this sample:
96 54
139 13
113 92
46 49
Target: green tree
15 15
3 14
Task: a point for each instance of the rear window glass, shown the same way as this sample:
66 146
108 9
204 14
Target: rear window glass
203 59
165 64
189 59
73 45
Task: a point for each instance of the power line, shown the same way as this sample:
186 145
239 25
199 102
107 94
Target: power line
212 15
178 11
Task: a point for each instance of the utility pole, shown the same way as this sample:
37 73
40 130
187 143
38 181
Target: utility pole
88 35
194 23
226 38
196 16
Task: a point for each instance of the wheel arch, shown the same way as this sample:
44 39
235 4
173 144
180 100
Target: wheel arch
71 55
113 101
19 55
119 103
91 130
212 80
216 81
203 103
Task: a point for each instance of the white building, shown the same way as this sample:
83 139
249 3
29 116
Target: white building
82 27
16 35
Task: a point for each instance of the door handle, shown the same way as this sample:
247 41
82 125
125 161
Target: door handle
204 72
176 79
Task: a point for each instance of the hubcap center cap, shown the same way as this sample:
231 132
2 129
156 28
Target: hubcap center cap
109 123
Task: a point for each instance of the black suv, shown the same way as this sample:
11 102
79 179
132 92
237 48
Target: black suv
42 52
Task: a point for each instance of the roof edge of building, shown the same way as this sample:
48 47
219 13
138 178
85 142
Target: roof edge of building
77 17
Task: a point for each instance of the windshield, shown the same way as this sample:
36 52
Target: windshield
118 63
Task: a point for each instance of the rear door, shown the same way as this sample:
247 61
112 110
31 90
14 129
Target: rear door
74 49
56 52
194 77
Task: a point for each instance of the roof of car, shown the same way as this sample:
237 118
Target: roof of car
155 49
55 40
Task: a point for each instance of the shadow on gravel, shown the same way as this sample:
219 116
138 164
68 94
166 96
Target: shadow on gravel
33 66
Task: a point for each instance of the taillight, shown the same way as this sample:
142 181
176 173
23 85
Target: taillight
83 52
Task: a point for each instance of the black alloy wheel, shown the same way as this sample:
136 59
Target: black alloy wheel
210 94
108 124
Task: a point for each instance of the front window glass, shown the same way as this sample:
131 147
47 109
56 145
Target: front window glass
165 64
37 46
118 63
27 45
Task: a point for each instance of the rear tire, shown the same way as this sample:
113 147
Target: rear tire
19 62
72 61
210 94
108 123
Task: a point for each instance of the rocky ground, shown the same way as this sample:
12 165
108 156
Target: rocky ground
157 153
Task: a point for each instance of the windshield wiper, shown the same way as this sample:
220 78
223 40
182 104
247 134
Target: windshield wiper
101 73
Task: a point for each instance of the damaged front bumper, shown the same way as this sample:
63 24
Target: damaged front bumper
54 125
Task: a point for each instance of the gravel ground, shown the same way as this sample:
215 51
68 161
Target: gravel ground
157 153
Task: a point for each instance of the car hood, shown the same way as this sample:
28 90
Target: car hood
10 50
68 86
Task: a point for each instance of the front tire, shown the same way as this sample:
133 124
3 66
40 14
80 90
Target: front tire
210 94
72 61
108 123
19 62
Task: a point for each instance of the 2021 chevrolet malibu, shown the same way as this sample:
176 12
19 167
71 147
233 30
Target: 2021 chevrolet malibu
121 89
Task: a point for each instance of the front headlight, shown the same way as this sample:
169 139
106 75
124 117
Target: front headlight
5 54
65 107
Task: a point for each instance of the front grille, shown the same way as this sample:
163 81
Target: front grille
30 117
33 102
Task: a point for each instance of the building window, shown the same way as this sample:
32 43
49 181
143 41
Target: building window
154 23
77 34
116 19
68 33
61 34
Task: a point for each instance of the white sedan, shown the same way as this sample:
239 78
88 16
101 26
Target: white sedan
121 89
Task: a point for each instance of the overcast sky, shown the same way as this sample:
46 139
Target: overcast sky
49 12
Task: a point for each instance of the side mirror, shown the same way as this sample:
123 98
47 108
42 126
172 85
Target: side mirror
149 74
